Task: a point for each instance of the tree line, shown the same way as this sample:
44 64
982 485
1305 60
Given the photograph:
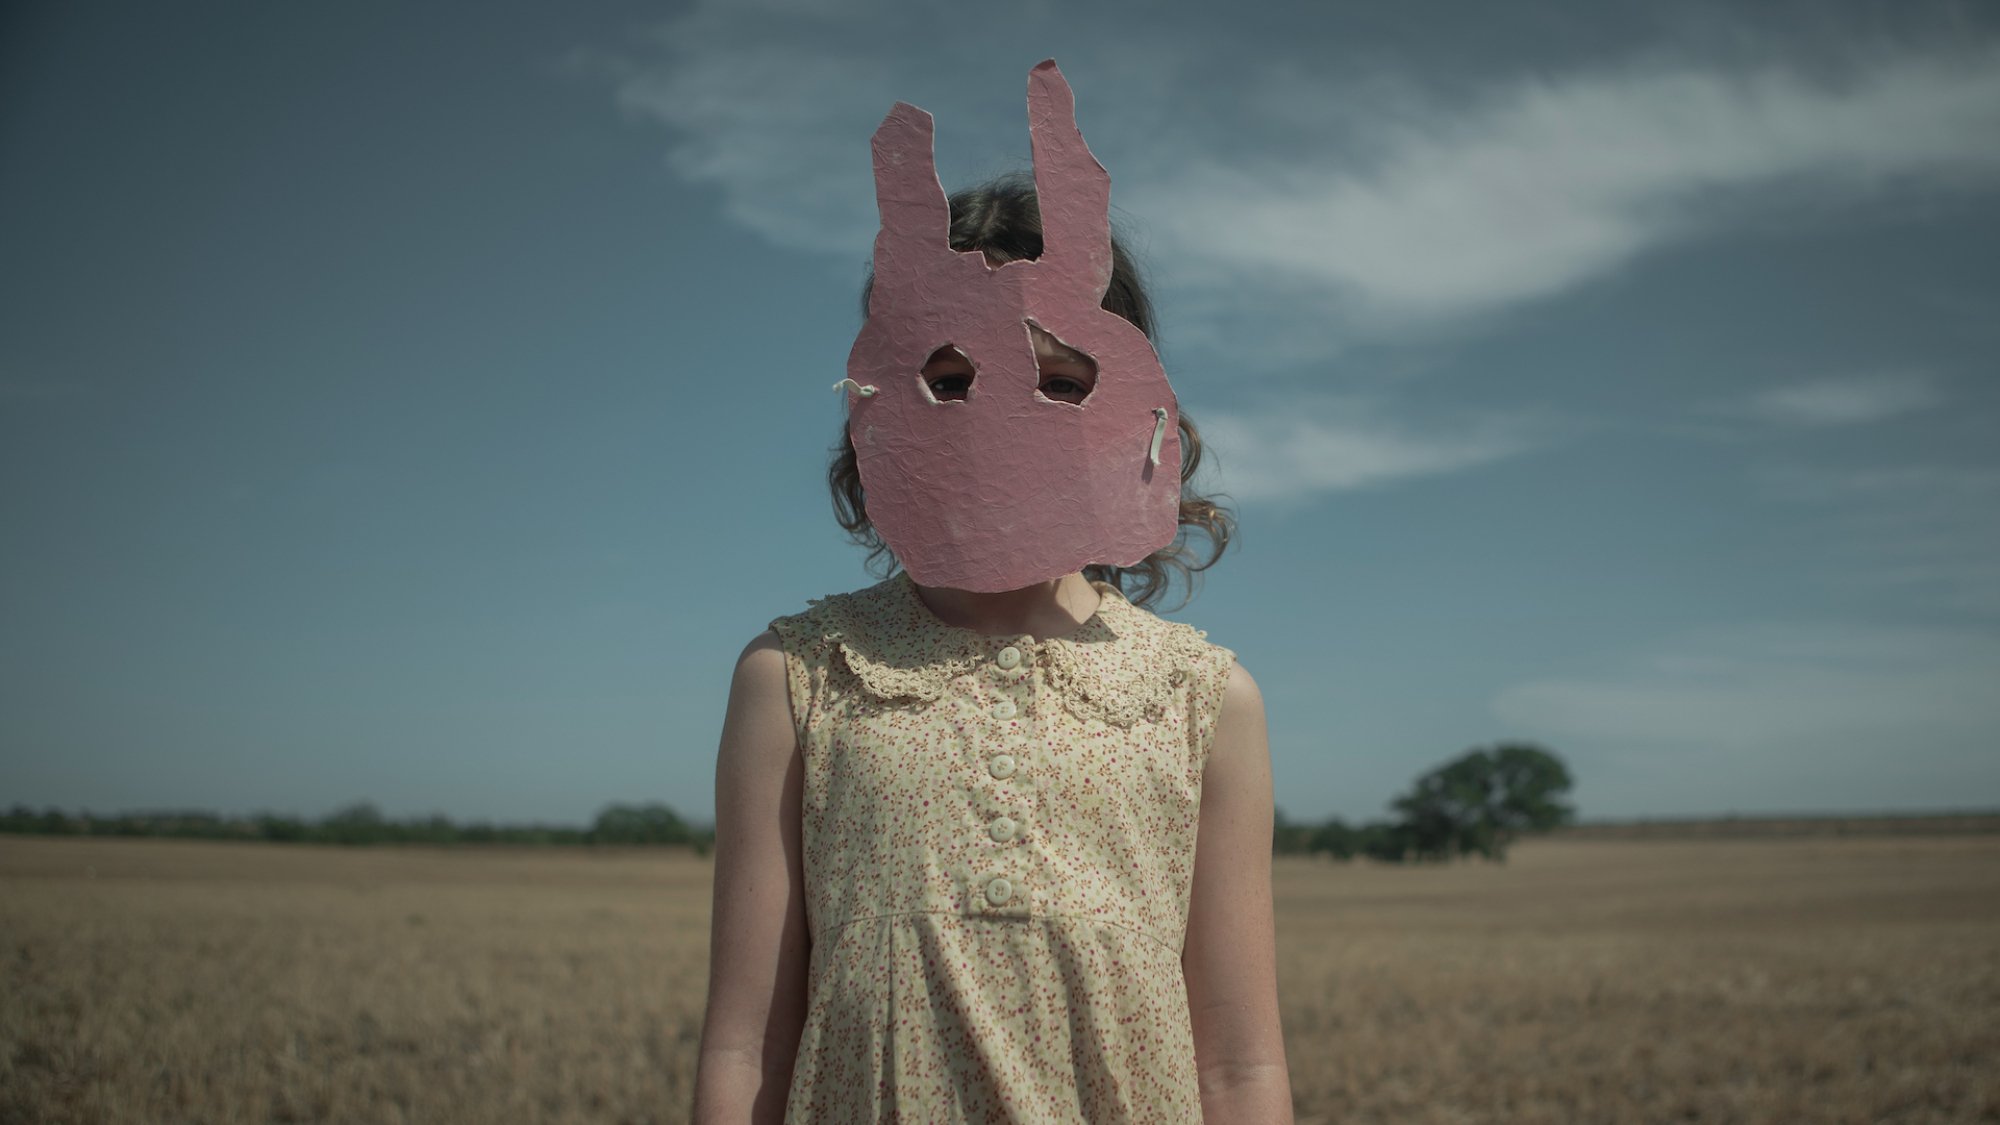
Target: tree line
1475 804
363 823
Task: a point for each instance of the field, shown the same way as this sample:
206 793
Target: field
1825 980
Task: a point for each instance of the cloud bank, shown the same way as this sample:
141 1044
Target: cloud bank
1400 206
1541 183
1315 201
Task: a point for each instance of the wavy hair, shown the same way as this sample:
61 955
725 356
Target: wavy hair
1002 219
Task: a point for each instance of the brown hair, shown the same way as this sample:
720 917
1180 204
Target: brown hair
1001 218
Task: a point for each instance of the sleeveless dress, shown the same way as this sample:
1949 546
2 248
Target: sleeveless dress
999 839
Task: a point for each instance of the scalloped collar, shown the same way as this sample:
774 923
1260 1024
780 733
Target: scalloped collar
1119 666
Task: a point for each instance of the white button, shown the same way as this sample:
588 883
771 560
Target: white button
1004 709
999 890
1002 766
1002 830
1010 657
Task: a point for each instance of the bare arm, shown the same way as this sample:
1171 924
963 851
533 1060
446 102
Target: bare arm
758 945
1230 958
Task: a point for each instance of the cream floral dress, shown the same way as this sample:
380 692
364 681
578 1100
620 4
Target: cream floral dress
999 838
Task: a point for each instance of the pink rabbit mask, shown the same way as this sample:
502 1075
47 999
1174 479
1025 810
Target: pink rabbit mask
1006 487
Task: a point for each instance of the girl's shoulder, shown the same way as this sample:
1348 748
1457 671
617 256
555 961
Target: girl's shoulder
852 616
1175 636
1135 665
1122 665
882 635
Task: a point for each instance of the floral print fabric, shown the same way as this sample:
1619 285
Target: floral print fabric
999 837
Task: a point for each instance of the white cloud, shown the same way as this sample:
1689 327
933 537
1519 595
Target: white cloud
1842 401
1542 183
778 127
1294 448
1782 715
1309 179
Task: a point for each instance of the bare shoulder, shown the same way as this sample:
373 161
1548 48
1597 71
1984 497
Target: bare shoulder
762 657
1241 692
759 690
1241 743
761 665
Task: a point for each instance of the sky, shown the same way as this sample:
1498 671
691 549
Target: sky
424 404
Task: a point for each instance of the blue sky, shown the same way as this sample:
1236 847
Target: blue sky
424 404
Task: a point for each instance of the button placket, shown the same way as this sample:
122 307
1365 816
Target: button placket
1013 669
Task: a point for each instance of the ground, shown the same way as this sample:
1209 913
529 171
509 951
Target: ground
1825 980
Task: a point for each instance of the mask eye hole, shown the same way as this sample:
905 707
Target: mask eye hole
1068 382
1066 374
947 376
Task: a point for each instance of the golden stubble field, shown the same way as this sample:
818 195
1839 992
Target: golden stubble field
1815 980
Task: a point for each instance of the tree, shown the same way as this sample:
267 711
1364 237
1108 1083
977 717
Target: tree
1288 838
358 823
640 824
1382 840
1483 801
1335 838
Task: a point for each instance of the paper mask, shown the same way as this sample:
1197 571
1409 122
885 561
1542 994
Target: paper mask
1006 487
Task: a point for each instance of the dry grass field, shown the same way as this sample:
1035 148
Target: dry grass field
1812 980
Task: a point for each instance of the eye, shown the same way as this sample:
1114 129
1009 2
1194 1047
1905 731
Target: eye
948 374
1068 379
1062 388
1067 374
950 388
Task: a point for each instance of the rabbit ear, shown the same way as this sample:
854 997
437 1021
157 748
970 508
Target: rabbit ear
1073 189
916 217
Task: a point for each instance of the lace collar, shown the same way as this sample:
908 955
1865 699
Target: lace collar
1120 666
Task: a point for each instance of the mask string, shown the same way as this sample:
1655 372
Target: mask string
866 389
1159 433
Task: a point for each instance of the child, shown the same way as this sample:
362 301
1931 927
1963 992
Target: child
958 872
